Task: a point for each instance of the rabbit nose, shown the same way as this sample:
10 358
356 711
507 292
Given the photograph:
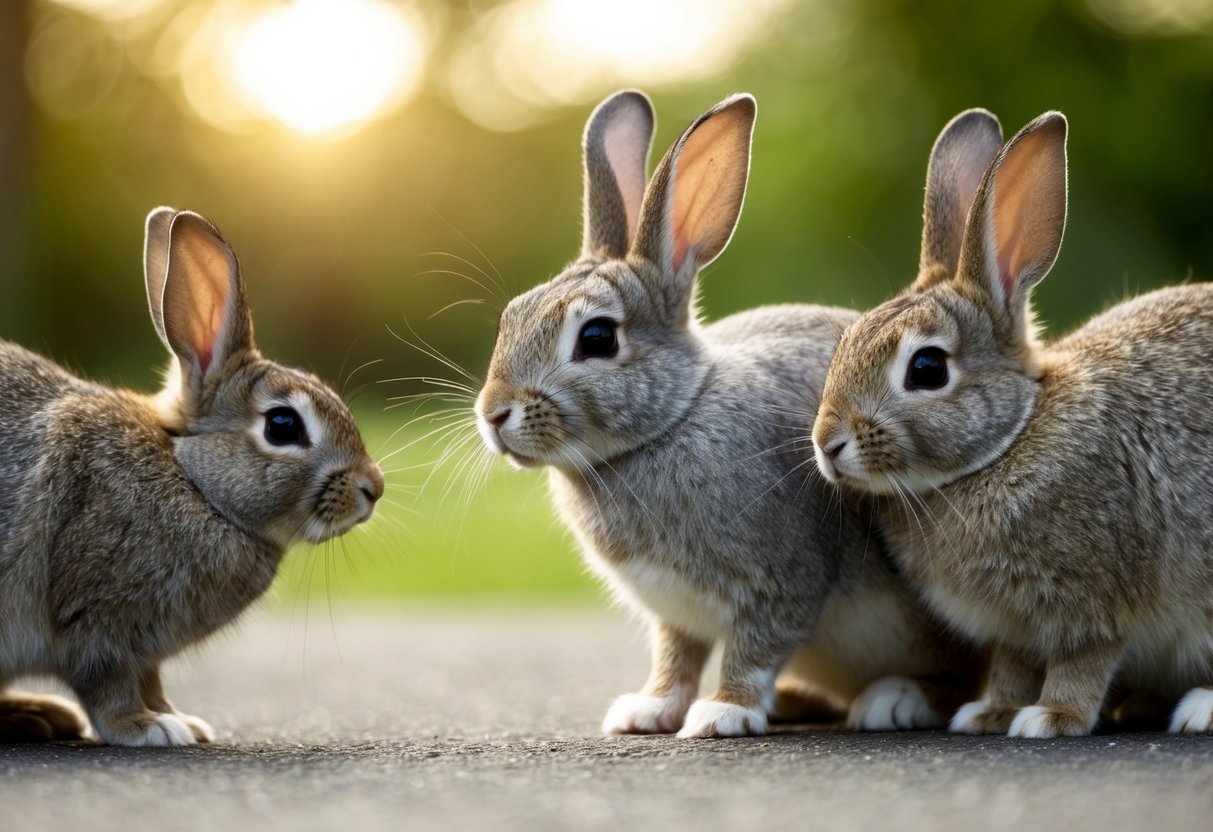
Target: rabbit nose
500 417
371 484
834 451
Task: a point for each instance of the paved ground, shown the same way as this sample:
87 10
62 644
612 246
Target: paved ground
428 719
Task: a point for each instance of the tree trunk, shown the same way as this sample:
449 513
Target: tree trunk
17 320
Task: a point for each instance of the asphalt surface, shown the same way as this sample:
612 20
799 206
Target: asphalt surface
433 718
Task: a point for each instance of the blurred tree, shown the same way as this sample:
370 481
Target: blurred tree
142 105
17 318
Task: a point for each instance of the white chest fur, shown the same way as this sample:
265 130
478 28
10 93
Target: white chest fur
665 593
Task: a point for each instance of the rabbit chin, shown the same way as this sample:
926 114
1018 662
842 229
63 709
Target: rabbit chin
318 531
893 484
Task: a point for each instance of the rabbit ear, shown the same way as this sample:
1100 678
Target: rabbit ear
204 311
616 145
961 154
695 196
155 263
1018 217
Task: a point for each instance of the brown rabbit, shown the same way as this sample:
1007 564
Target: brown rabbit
133 526
1056 499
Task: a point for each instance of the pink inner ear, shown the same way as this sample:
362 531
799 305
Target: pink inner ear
1008 244
1029 209
201 293
680 250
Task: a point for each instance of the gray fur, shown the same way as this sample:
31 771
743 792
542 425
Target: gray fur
1056 500
132 526
680 464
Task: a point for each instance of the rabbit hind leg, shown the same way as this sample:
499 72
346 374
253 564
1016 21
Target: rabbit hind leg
35 717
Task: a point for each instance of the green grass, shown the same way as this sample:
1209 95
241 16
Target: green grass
444 529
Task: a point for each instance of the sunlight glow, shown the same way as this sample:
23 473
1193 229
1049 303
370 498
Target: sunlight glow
111 9
325 66
1155 17
527 56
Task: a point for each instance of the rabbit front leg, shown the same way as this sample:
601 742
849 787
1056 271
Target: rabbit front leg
1076 683
152 690
112 697
1014 682
659 708
746 694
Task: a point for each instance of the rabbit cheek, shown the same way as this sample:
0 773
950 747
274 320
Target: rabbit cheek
247 500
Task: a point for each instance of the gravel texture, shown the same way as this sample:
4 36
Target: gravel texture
464 718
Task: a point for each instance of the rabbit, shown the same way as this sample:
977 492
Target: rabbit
133 526
1051 499
676 459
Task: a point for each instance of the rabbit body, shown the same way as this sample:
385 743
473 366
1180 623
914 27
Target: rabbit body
1097 522
76 458
677 455
719 529
1053 500
134 526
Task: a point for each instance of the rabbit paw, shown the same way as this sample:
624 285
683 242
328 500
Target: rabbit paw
792 705
28 717
147 729
636 713
893 703
1194 713
981 717
1039 722
201 729
710 718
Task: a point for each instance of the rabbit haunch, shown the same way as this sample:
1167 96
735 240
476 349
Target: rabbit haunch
677 458
133 526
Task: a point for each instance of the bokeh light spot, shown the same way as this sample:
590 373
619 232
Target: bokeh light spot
324 66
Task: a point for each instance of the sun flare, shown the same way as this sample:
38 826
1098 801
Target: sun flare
326 66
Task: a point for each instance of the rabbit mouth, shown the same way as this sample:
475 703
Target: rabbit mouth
320 530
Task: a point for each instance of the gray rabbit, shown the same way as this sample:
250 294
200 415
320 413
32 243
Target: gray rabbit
677 455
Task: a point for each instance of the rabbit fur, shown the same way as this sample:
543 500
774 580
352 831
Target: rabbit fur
134 526
677 460
1054 500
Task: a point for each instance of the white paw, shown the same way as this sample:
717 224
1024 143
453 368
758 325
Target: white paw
708 718
1034 723
200 728
635 713
1194 713
163 731
893 703
965 720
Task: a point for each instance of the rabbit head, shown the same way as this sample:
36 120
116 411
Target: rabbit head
271 448
937 382
605 356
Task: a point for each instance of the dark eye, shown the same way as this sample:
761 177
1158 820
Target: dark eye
283 426
597 339
928 369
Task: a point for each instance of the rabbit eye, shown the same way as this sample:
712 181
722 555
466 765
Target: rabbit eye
597 340
283 426
928 369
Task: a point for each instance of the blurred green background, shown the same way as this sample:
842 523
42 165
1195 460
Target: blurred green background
373 161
